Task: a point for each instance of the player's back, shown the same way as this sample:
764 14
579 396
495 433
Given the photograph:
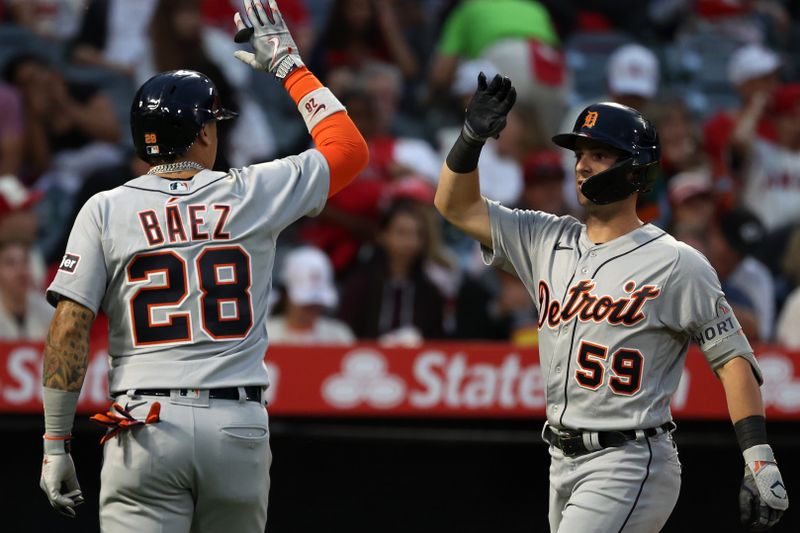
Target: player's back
187 267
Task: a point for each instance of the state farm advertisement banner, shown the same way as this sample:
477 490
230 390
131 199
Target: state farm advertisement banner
437 380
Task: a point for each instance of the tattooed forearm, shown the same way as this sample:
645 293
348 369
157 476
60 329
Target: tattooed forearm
66 353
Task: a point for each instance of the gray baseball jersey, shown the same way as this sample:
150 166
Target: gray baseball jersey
616 318
173 262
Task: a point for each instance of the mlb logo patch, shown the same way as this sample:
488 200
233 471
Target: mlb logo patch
178 186
69 263
152 150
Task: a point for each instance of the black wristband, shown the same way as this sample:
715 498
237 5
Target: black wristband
751 431
464 154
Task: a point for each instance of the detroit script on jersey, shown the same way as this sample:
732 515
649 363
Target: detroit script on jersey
585 305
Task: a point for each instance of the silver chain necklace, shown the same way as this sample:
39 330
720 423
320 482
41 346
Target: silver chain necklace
180 166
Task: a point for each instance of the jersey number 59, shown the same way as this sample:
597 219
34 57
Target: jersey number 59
626 363
223 279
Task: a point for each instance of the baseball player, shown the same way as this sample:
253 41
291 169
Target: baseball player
619 301
181 259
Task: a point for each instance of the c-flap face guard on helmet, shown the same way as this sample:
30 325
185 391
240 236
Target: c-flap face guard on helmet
625 129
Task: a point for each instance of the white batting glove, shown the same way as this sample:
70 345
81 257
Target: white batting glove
275 49
762 497
59 480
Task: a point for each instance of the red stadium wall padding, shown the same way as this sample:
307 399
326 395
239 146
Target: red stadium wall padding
450 380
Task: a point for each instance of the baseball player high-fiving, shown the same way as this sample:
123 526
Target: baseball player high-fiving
619 301
181 259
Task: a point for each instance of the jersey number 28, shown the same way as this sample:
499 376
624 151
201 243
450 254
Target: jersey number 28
223 278
626 363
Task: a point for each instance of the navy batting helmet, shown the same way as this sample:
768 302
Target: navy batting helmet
625 129
168 111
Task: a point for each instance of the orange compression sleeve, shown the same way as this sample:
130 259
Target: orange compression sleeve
335 136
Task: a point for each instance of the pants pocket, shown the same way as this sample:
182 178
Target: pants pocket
246 432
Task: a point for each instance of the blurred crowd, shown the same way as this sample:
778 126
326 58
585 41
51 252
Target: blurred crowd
720 79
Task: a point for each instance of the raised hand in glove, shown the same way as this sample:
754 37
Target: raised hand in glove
487 111
762 497
59 481
275 49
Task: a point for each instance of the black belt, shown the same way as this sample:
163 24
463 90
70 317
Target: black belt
252 393
573 442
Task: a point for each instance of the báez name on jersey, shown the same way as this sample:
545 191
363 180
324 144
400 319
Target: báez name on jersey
585 305
197 223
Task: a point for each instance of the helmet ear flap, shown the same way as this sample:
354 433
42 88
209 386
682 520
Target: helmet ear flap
645 177
612 184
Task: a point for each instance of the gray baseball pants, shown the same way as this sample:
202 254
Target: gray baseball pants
628 489
203 468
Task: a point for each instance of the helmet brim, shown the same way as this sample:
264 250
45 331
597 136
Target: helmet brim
225 114
569 140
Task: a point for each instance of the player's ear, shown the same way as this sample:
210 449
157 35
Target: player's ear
205 133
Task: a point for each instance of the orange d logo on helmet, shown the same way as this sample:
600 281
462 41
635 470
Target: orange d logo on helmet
590 120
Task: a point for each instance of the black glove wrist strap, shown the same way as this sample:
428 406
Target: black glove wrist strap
464 154
751 431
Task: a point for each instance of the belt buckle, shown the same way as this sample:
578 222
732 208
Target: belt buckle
572 445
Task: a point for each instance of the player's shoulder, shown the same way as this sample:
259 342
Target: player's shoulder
686 257
309 160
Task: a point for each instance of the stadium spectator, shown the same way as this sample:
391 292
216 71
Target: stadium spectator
787 332
71 129
350 218
591 16
681 151
691 196
24 312
385 82
308 293
770 171
543 177
753 69
11 130
19 221
748 20
60 116
361 31
495 305
113 34
730 245
56 20
389 296
179 40
632 79
518 37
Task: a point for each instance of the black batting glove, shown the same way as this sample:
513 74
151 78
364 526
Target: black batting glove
487 111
